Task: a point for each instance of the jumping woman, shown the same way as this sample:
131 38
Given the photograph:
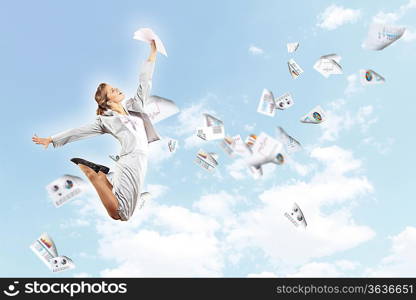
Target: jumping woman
120 189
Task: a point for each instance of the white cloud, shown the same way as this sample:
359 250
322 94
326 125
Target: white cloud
255 50
323 269
159 151
262 275
249 127
364 119
315 269
299 168
335 16
402 259
386 18
149 253
340 119
172 240
74 223
193 141
392 17
347 265
157 190
190 118
328 232
167 241
238 169
216 205
82 275
353 85
383 147
409 35
334 124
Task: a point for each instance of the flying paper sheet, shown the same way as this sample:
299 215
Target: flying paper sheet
368 77
266 104
235 146
61 263
65 188
381 35
250 140
285 101
256 171
315 116
296 216
328 65
213 128
211 121
227 144
172 145
290 143
158 108
266 150
294 69
45 249
206 160
292 47
147 35
144 197
241 148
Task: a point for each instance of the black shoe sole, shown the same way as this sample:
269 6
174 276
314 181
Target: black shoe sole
91 165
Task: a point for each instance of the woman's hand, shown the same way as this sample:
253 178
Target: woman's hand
153 51
42 141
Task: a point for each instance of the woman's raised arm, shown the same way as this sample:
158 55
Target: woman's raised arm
145 81
153 51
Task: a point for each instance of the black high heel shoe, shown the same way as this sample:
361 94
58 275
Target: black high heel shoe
91 165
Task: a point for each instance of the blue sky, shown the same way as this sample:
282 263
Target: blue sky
353 179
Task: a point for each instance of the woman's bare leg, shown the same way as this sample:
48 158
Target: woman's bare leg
105 180
104 190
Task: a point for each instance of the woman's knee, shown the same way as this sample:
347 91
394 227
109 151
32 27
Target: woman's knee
114 215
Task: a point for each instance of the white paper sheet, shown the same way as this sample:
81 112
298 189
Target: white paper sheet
213 128
61 263
172 143
315 116
206 160
158 108
44 248
292 47
296 216
382 35
328 65
266 150
266 104
291 144
369 77
284 101
294 69
147 35
65 188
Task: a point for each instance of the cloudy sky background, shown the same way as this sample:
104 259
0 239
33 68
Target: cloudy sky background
353 180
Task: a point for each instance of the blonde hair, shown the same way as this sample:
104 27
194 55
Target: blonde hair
101 98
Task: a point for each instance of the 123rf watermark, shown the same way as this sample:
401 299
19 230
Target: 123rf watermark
365 289
71 289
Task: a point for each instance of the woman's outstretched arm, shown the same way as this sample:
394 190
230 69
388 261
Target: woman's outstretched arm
42 141
71 135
